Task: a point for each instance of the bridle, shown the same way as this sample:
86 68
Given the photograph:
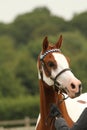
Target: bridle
57 86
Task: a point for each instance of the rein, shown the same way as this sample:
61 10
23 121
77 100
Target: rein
57 86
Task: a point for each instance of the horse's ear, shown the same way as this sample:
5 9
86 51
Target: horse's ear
59 42
45 44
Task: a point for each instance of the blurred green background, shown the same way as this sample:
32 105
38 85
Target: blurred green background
20 44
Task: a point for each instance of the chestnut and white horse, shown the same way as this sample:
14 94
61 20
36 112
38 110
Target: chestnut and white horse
55 78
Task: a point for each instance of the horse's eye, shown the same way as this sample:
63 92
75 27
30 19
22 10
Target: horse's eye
51 64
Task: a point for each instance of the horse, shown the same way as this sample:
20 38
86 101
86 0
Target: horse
55 78
78 103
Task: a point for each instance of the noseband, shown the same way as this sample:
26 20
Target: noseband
57 86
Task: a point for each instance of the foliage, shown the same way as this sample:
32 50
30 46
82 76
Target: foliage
27 73
79 22
18 108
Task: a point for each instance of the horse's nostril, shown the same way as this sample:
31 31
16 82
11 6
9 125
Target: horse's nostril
80 86
73 86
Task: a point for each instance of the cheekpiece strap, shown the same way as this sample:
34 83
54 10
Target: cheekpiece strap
49 51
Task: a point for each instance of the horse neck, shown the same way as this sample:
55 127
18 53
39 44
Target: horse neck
47 97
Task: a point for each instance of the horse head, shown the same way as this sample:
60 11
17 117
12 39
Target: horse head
54 70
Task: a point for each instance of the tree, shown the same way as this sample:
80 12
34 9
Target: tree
9 85
26 72
79 22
